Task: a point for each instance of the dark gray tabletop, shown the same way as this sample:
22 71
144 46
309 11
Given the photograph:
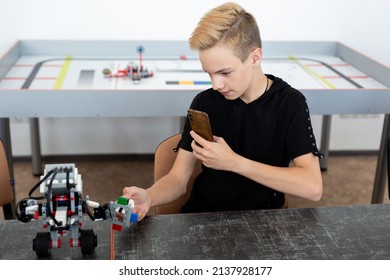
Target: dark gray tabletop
345 232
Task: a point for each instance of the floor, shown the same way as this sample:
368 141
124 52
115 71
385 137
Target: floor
348 179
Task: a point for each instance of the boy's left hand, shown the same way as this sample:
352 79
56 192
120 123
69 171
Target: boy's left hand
217 155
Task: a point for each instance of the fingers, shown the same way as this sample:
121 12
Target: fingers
141 214
199 140
126 192
130 192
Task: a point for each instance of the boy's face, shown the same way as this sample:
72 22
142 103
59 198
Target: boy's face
229 75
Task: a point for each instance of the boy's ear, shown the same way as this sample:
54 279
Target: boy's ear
257 55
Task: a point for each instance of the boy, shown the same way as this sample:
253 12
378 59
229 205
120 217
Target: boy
260 124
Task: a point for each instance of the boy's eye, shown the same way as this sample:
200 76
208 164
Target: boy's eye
225 73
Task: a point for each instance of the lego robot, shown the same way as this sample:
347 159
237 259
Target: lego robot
131 71
62 208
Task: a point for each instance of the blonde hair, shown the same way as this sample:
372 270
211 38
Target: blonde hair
230 25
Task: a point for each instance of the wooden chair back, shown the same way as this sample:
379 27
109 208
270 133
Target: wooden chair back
6 193
164 158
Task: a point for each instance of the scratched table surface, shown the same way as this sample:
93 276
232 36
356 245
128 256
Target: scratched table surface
344 232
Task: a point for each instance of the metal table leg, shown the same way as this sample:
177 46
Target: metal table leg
325 136
182 123
35 147
380 175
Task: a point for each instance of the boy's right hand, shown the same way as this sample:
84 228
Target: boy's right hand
141 200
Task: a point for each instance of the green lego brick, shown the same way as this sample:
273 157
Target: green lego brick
123 200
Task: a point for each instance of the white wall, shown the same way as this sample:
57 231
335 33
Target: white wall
359 24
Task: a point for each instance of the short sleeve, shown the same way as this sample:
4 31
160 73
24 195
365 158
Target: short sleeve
300 136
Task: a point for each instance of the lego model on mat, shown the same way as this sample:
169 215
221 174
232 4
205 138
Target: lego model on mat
62 208
131 71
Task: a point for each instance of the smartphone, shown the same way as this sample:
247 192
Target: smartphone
200 124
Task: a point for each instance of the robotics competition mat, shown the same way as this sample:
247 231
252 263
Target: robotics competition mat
72 72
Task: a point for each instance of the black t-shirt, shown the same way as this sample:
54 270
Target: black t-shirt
273 129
